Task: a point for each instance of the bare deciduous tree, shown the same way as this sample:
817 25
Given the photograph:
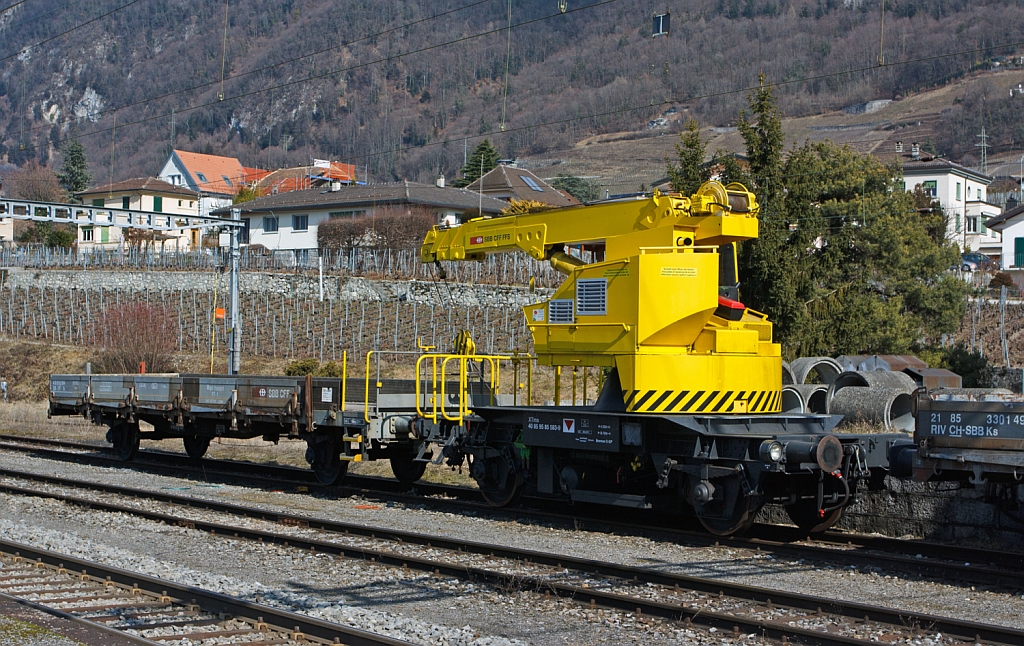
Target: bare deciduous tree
132 334
34 182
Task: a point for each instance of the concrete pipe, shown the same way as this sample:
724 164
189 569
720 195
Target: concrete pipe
826 368
874 379
814 397
888 407
792 401
787 375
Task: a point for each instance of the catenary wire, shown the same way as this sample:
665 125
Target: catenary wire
278 64
399 149
342 70
68 31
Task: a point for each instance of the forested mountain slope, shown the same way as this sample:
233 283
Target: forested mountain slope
384 84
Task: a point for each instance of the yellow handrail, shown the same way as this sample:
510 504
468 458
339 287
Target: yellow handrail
366 397
437 407
344 381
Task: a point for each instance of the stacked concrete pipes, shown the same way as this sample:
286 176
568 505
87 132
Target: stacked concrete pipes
801 397
879 397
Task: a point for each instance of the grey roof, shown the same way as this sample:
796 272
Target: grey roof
1003 217
938 165
516 180
140 185
372 195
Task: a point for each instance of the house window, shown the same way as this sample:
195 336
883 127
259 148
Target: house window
931 188
270 224
300 222
86 234
979 194
179 202
346 214
531 183
126 202
226 180
98 202
243 233
972 225
958 223
158 203
202 178
958 191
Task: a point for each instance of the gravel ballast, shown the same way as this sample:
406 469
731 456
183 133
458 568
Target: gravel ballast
456 612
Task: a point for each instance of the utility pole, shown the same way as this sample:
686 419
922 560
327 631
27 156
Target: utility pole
235 343
984 150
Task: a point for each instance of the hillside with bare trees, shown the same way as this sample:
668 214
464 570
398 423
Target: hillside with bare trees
400 89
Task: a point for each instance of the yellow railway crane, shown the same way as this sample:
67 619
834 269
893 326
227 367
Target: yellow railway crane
659 305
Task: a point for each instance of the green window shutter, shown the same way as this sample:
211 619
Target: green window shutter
1018 252
126 202
158 203
104 234
98 202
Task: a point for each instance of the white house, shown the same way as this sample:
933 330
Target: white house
289 221
1010 226
213 179
6 230
143 194
962 192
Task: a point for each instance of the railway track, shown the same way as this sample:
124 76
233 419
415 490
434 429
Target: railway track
914 557
734 608
145 610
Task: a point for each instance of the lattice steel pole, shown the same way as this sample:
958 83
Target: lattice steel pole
235 345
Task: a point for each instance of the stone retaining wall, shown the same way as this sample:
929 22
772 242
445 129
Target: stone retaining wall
288 285
942 512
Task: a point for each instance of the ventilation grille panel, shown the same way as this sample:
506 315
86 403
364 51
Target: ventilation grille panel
592 297
560 311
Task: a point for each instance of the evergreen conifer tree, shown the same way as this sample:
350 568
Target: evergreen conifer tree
484 157
687 176
74 175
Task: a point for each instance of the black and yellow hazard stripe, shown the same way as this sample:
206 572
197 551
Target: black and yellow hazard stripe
702 401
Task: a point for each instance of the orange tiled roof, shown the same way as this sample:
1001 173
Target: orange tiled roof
299 178
213 173
253 175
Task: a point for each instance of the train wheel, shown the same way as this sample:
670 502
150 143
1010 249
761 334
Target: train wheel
327 465
805 515
405 467
126 441
742 517
498 478
196 446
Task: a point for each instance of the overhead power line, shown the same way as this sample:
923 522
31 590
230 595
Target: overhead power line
335 72
701 97
68 31
238 75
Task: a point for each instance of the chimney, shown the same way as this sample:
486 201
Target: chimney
335 186
899 146
915 150
439 181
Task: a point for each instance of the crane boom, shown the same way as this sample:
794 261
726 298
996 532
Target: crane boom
652 307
